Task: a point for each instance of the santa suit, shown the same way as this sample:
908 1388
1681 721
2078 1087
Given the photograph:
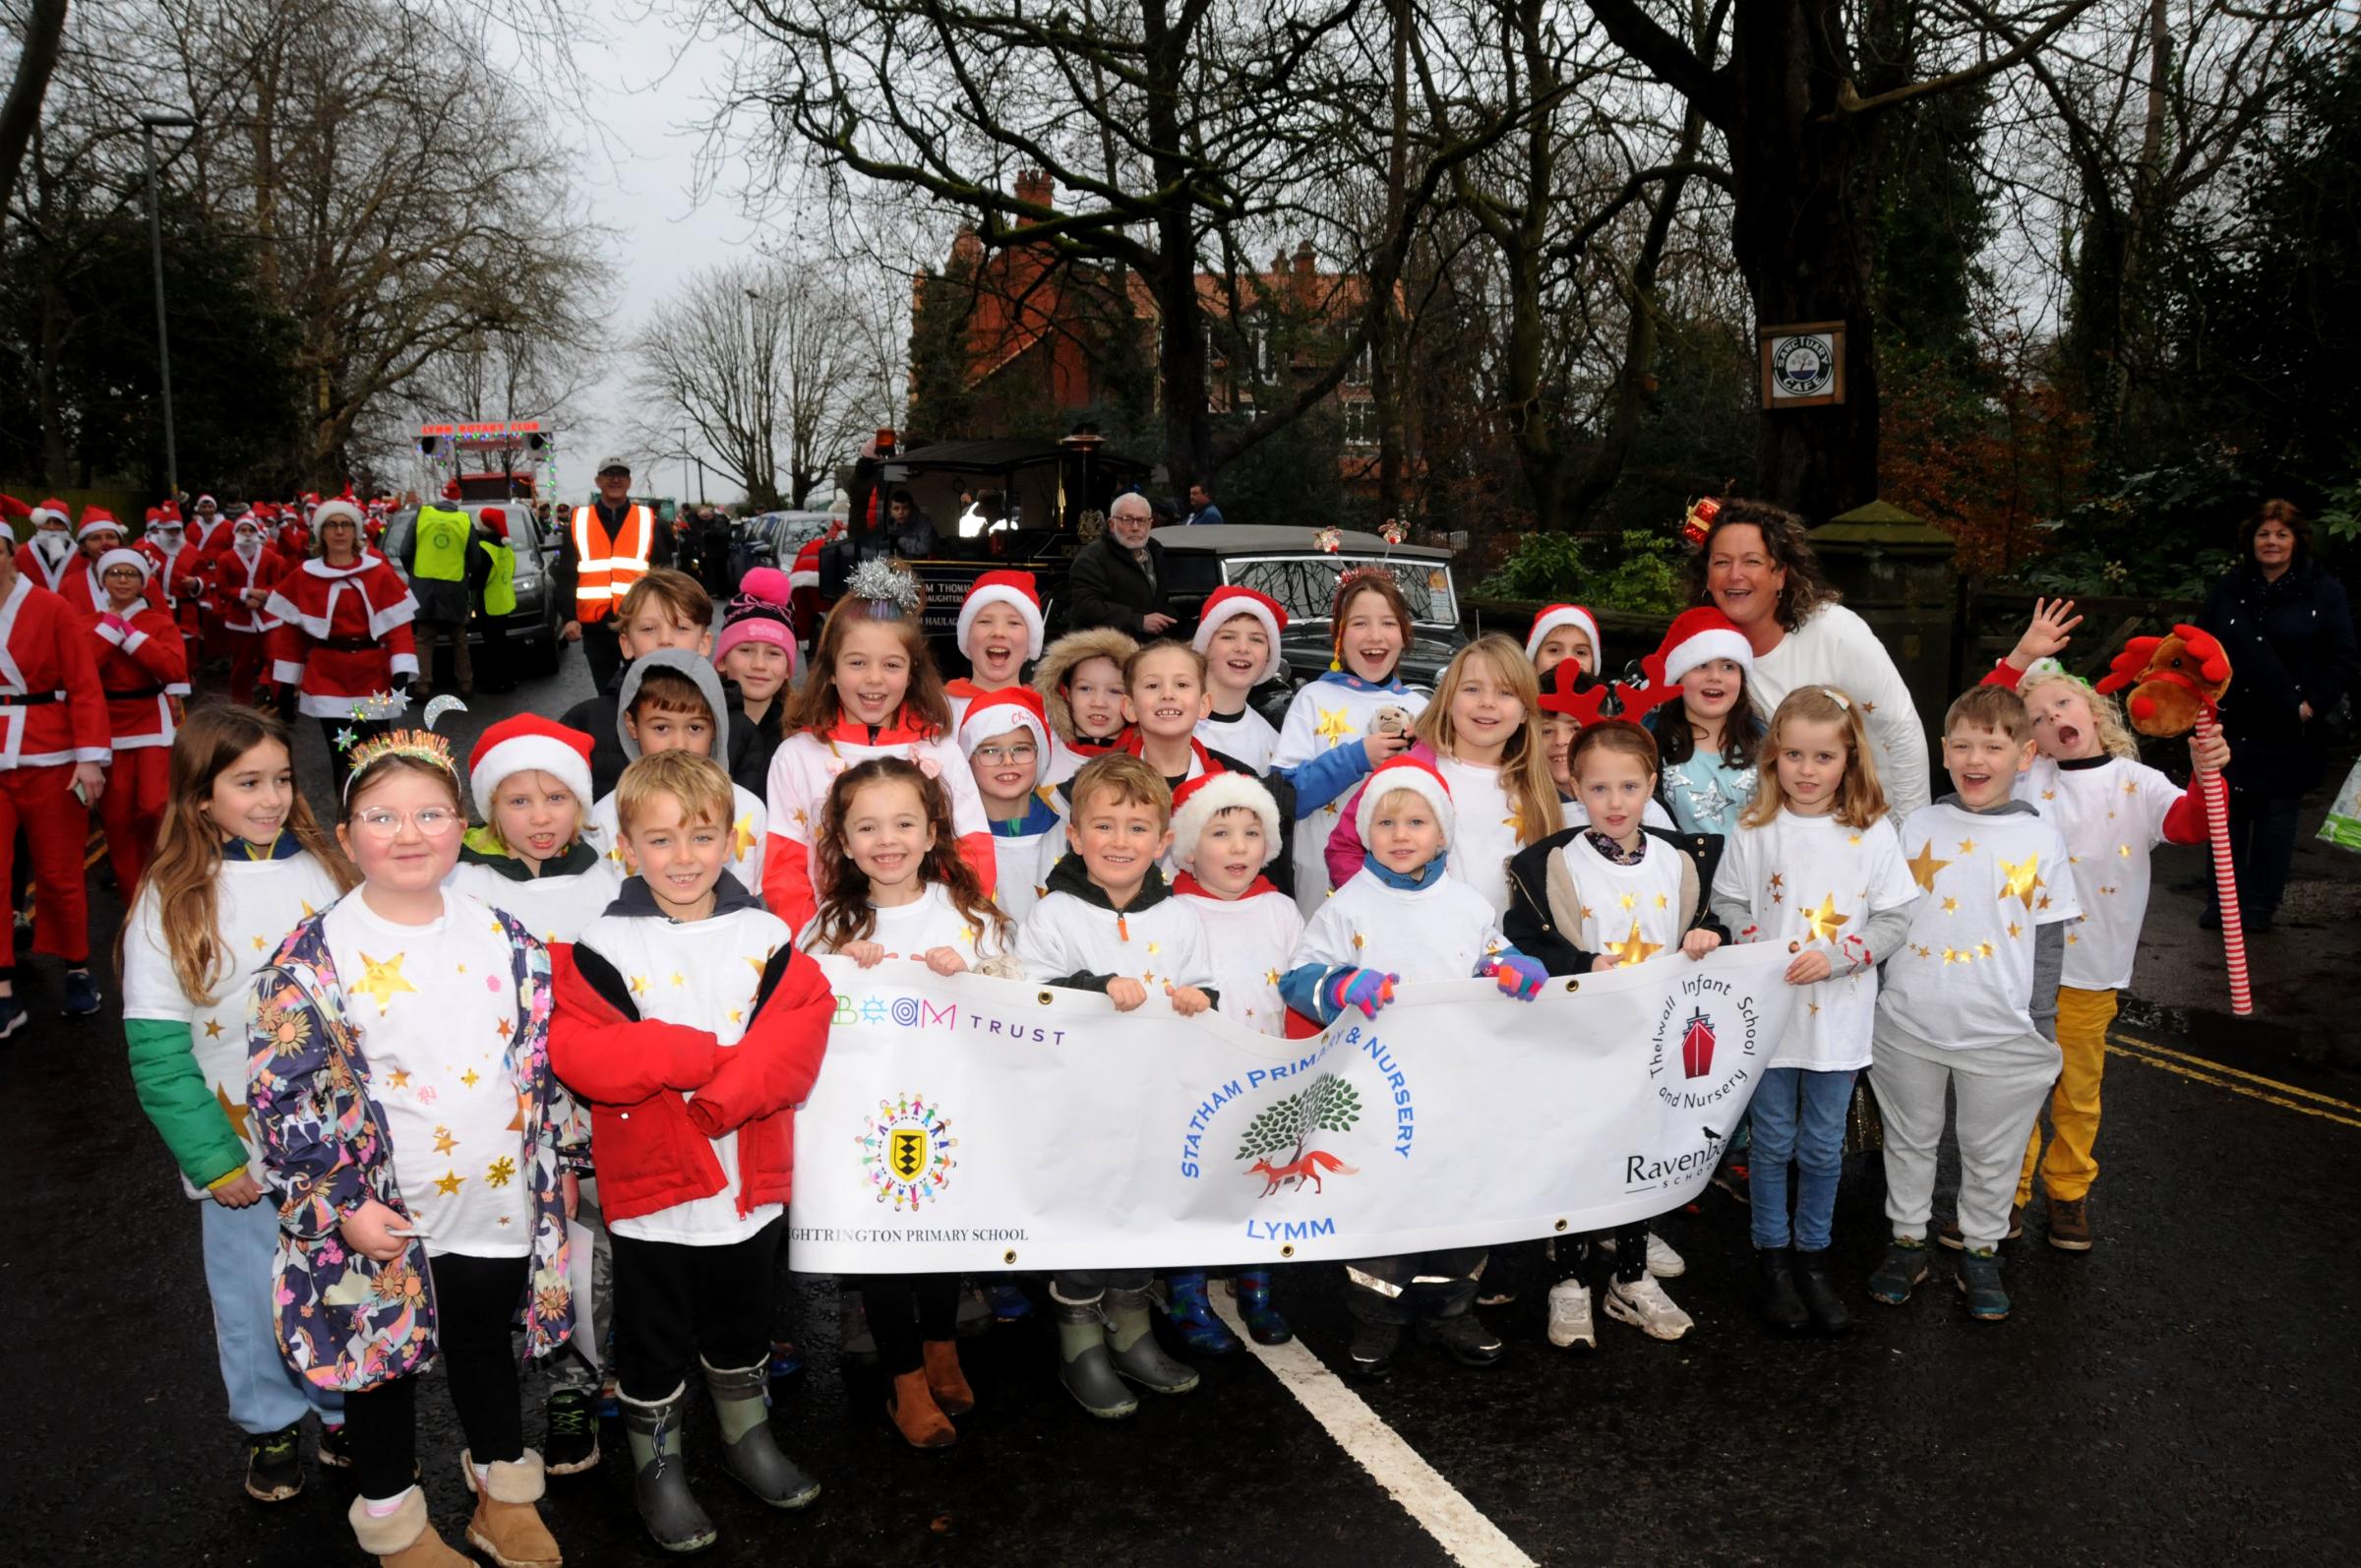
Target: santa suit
177 576
52 716
231 573
143 667
48 557
343 633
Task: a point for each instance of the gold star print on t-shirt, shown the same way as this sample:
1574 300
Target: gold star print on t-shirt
1825 920
236 1113
383 981
213 1029
2022 878
501 1172
743 836
449 1185
1335 726
1924 867
1634 948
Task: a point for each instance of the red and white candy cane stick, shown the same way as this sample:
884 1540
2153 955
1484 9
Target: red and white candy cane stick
2225 878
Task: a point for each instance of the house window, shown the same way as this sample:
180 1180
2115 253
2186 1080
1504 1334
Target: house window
1360 424
1356 374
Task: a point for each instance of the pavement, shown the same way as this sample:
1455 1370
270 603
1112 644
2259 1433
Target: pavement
2189 1392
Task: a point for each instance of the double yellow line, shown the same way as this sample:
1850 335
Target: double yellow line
2254 1086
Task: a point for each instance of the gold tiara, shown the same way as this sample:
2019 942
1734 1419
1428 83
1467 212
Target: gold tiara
423 745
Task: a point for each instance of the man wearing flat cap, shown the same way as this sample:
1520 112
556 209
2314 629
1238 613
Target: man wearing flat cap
608 546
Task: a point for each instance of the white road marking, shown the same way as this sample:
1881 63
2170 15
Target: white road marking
1471 1539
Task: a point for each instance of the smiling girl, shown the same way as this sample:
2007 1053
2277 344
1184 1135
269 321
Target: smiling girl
1238 634
409 1123
1080 683
239 864
1706 742
1360 702
530 777
873 691
1000 629
756 652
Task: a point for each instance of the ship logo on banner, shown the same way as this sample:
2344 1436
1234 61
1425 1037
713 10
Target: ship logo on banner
905 1152
1718 1012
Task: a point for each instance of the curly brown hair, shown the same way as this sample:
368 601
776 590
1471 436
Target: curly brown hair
845 914
1785 541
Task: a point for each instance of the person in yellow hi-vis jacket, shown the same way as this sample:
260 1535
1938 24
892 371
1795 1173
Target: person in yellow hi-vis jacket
495 598
444 568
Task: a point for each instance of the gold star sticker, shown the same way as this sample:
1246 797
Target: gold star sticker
449 1186
471 1078
1270 977
503 1029
736 1015
308 910
1815 1006
1358 943
1630 902
743 836
1825 920
802 820
443 1141
213 1029
2044 904
1147 977
399 1079
676 980
1335 724
2014 929
1586 912
1952 957
2074 938
1966 846
1154 949
1778 881
383 981
2020 878
2129 787
1868 707
2049 795
1634 948
1659 900
1924 865
1923 952
501 1171
1853 839
639 984
2124 850
757 964
236 1113
1983 950
1951 906
257 944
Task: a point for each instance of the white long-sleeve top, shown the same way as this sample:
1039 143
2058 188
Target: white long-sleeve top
1835 647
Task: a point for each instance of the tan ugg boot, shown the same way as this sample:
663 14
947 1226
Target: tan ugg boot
945 1379
507 1527
404 1537
915 1414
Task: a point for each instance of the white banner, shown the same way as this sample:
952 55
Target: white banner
977 1124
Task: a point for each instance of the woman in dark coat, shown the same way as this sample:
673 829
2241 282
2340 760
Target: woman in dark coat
2289 630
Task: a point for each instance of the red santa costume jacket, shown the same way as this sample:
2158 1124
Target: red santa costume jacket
178 576
51 712
229 571
143 665
343 633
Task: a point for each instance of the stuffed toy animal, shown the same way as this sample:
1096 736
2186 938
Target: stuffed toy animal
2174 679
1390 720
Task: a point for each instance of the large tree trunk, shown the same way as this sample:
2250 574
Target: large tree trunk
21 113
1180 352
1802 237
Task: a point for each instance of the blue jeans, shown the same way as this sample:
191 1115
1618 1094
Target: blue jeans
241 1248
1798 1115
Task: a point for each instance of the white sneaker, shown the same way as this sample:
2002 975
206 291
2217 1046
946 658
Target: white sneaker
1662 1262
1643 1304
1570 1316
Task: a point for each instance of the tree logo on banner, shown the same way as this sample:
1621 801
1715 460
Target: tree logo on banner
906 1152
1329 1105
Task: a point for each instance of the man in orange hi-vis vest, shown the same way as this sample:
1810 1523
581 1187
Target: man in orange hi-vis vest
607 547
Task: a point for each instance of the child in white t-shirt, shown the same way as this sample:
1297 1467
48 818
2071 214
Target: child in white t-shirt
2113 811
692 1028
1000 629
672 701
1969 1009
1816 864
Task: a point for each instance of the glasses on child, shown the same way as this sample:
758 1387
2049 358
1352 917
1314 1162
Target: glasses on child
994 755
432 822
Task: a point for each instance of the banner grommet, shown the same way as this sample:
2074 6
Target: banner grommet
1044 998
1573 986
1561 1224
1287 1249
1008 1256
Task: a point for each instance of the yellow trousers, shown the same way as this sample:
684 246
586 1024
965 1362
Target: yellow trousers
2071 1167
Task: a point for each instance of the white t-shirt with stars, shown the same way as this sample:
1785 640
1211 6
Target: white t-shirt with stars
702 974
2112 817
1252 939
553 908
255 904
1444 930
1325 715
1486 830
1244 735
909 931
1814 881
436 1008
1159 945
1964 975
1631 912
749 827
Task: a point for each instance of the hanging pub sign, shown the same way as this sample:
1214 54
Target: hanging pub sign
1803 364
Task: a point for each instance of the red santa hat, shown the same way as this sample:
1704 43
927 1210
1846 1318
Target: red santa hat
1015 708
1696 636
494 518
97 519
1405 773
122 557
1016 589
337 506
1198 801
1553 617
528 742
1229 603
52 511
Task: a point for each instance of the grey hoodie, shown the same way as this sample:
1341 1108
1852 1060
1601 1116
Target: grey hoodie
698 668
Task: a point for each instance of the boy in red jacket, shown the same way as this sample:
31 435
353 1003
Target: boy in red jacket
692 1026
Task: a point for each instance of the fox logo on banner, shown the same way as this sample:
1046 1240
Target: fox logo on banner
967 1123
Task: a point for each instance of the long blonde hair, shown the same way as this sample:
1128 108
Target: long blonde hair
1525 759
2114 736
1860 799
184 875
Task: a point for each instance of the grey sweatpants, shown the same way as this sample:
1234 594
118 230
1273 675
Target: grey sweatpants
2000 1091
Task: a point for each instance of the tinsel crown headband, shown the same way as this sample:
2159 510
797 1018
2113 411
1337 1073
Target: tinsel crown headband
423 745
891 593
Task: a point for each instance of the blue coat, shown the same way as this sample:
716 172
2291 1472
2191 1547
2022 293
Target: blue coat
2289 643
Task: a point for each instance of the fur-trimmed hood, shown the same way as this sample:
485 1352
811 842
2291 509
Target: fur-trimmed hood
1058 661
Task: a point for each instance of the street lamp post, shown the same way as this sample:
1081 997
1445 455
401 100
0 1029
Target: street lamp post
149 124
684 466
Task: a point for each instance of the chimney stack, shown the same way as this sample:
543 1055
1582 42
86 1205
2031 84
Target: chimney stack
1306 258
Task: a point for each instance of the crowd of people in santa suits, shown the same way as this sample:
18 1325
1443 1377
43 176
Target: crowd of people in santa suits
102 631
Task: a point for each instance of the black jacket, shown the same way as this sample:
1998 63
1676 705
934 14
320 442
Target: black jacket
1106 588
1541 926
2289 643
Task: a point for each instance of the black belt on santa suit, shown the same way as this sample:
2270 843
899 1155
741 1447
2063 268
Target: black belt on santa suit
347 644
30 699
132 694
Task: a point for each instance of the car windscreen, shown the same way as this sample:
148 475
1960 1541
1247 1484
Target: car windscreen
1307 584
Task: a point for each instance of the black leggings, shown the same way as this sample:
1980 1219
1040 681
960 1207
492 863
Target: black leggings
674 1304
1631 1253
905 1310
476 1299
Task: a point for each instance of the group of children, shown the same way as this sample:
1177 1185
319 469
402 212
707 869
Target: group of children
306 1025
